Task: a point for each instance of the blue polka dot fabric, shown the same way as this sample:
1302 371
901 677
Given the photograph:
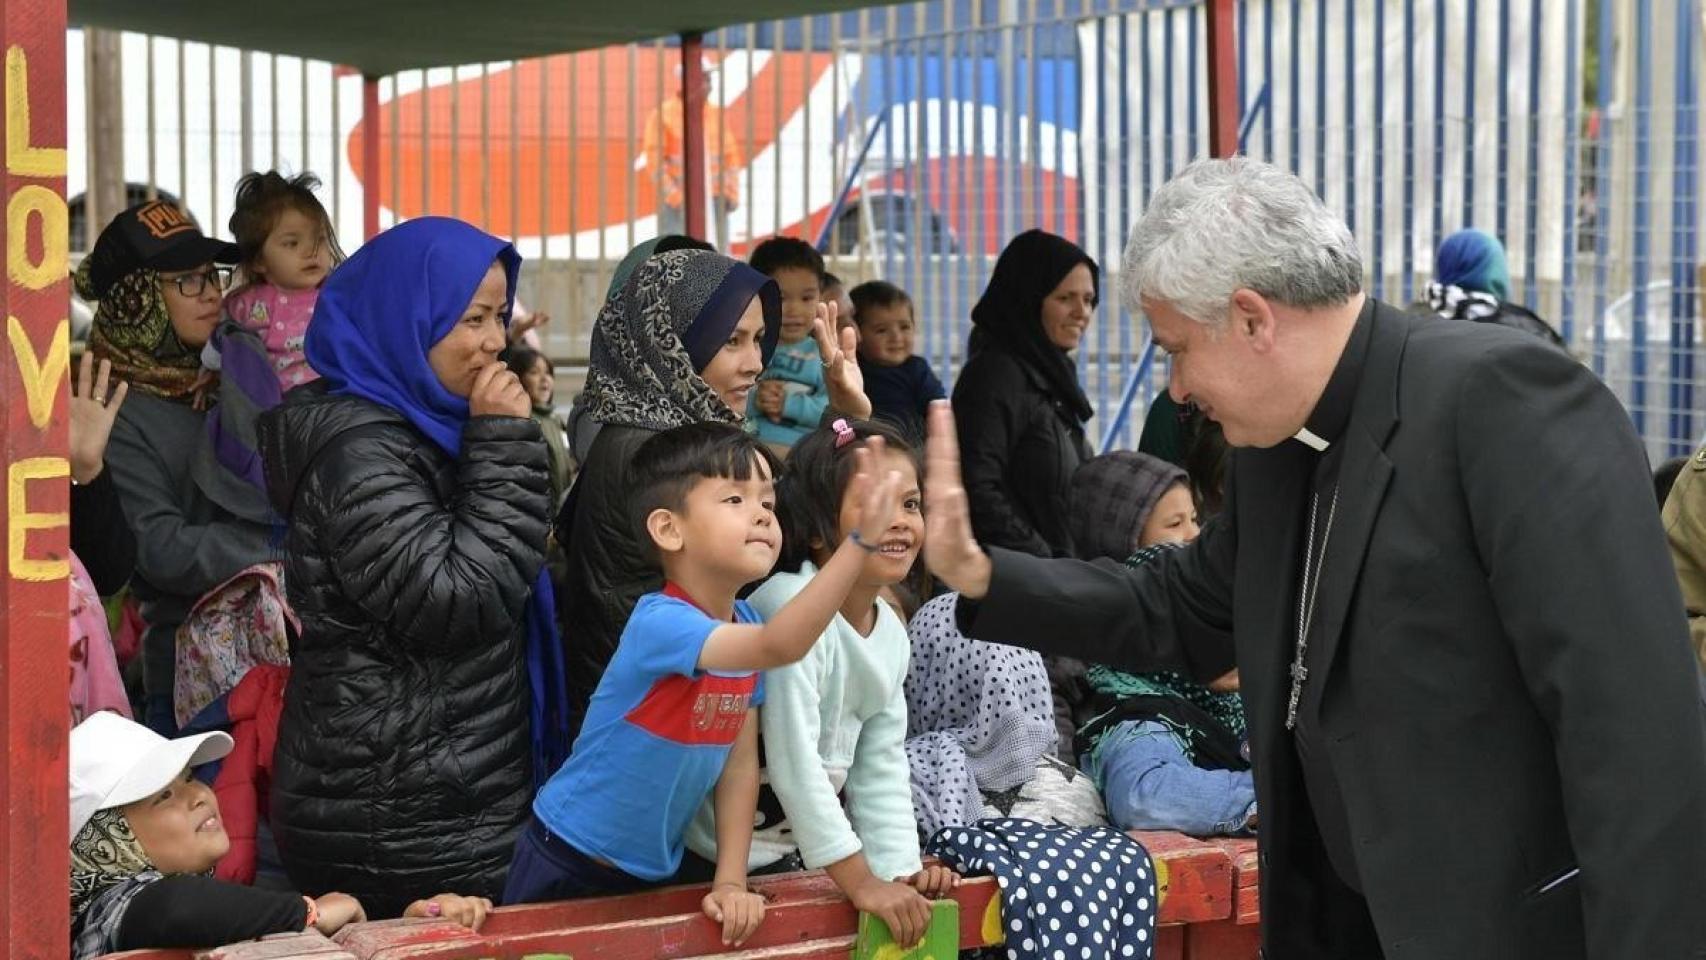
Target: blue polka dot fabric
1067 893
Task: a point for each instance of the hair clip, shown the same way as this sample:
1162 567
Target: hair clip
843 433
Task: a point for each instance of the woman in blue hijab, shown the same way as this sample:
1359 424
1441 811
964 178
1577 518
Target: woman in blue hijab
426 686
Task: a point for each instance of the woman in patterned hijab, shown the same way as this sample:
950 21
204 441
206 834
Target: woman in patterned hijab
197 521
681 341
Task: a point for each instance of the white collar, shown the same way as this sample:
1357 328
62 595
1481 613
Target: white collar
1311 441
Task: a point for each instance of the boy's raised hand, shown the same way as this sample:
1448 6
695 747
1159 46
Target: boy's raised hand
738 909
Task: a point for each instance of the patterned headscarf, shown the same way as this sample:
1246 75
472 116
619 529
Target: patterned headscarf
1473 260
643 371
134 331
106 853
978 717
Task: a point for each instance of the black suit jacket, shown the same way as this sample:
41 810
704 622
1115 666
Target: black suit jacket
1507 693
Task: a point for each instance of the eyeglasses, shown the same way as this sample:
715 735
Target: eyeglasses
195 284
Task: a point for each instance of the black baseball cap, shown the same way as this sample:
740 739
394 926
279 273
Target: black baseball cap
156 235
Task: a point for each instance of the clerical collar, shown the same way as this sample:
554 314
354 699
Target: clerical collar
1333 411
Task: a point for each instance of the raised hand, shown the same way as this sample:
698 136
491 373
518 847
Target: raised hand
94 407
950 548
841 373
877 496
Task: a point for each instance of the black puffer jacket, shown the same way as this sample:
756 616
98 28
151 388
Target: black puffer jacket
608 568
1019 447
402 760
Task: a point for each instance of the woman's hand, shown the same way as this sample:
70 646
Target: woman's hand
498 393
841 374
950 549
470 912
337 910
739 910
934 881
93 410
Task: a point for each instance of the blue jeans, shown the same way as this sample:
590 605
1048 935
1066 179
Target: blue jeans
545 868
1149 784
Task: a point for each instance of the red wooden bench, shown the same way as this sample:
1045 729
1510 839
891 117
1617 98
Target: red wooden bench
1208 893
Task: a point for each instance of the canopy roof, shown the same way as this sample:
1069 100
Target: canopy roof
379 37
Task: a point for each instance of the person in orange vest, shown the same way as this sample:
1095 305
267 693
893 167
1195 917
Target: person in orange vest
665 151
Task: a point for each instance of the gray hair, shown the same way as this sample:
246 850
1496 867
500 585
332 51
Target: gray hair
1222 225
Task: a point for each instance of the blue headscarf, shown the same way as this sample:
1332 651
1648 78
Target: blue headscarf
378 315
1473 260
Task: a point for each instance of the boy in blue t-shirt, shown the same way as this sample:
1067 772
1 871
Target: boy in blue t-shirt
674 717
791 396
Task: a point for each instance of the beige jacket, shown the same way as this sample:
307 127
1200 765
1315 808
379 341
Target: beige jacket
1685 527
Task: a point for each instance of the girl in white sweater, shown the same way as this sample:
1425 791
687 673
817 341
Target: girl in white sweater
836 791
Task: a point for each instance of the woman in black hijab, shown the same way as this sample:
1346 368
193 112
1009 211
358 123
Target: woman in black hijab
1018 403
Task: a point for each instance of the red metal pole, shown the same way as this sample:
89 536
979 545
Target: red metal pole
35 899
693 90
1223 106
370 156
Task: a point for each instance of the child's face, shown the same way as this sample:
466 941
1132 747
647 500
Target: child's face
1174 519
799 301
885 334
297 254
727 528
904 537
179 827
539 383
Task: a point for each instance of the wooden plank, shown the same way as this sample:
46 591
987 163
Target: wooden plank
1169 943
35 900
1193 877
1223 940
1247 879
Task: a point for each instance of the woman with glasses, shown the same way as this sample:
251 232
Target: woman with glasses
197 521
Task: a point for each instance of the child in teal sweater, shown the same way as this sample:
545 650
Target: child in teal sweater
791 397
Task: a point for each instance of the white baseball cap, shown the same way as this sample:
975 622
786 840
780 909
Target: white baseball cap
115 761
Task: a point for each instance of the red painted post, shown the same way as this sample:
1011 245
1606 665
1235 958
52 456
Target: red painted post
370 157
1223 106
35 901
693 90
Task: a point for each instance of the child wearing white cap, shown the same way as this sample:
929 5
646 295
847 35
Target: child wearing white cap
145 836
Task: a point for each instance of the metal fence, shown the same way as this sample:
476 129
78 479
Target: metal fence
912 141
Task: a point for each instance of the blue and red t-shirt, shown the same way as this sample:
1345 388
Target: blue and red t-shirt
654 741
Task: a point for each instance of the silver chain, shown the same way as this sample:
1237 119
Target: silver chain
1306 601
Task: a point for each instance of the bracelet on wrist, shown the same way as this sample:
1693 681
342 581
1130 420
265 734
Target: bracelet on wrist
860 542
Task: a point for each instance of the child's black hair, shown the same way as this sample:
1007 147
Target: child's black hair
875 293
668 465
261 199
783 253
830 280
680 241
808 497
522 358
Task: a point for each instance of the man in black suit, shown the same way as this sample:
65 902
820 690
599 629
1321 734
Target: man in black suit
1476 723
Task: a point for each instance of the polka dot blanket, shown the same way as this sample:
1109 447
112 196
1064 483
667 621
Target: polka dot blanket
1067 893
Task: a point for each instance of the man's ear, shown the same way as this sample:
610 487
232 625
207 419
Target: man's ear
1252 318
664 527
